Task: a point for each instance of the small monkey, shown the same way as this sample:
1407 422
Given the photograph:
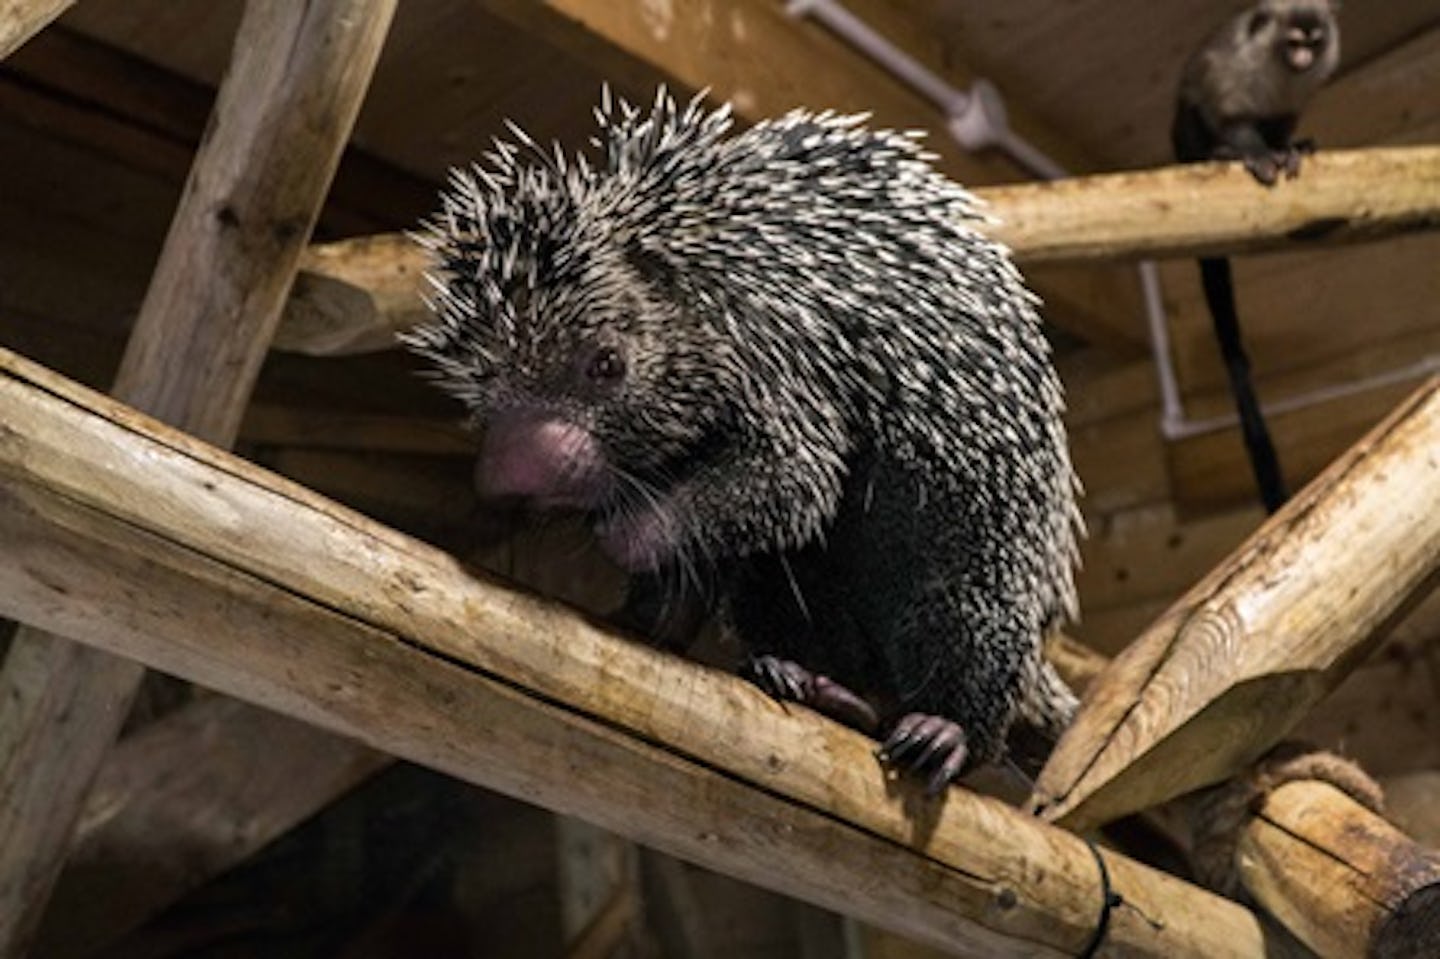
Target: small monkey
1240 97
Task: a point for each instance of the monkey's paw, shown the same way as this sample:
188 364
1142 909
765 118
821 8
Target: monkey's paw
921 744
1266 167
790 682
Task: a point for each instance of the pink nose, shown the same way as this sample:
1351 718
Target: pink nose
541 457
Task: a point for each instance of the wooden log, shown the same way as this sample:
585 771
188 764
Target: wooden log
354 295
283 114
1338 876
19 21
130 536
1243 656
1192 210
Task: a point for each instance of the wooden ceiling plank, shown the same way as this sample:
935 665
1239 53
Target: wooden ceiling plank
73 88
282 598
282 117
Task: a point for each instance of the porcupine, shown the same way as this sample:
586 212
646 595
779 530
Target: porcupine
783 373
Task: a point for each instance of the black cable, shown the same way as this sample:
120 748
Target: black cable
1111 900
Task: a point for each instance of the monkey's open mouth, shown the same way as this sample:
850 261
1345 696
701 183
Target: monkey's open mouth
1302 57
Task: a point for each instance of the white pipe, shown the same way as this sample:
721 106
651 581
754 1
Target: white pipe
977 120
882 51
1172 412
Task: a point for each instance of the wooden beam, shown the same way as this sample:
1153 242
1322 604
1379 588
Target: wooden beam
209 568
19 21
352 296
283 115
182 800
1342 879
1343 197
1238 661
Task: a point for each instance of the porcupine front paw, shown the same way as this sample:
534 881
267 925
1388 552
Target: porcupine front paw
921 743
790 682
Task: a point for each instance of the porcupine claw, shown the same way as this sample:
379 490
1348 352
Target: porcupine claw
921 742
790 682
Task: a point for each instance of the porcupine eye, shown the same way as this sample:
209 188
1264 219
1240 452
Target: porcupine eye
606 366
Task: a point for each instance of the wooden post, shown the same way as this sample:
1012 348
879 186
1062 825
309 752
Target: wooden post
284 112
354 295
1247 653
22 19
1341 878
143 541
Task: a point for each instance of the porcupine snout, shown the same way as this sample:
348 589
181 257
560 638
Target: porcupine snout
542 458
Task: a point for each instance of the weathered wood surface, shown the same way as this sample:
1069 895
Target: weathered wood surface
1246 654
1341 878
22 19
130 536
283 115
352 296
1343 196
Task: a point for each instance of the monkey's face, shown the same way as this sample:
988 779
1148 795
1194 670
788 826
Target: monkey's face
1302 33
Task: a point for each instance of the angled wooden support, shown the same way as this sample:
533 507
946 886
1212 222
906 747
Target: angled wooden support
22 19
352 296
284 112
1250 650
149 544
1342 879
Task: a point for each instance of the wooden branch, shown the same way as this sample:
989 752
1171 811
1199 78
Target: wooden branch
19 21
182 800
135 538
1242 658
1341 878
282 117
354 295
1340 196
